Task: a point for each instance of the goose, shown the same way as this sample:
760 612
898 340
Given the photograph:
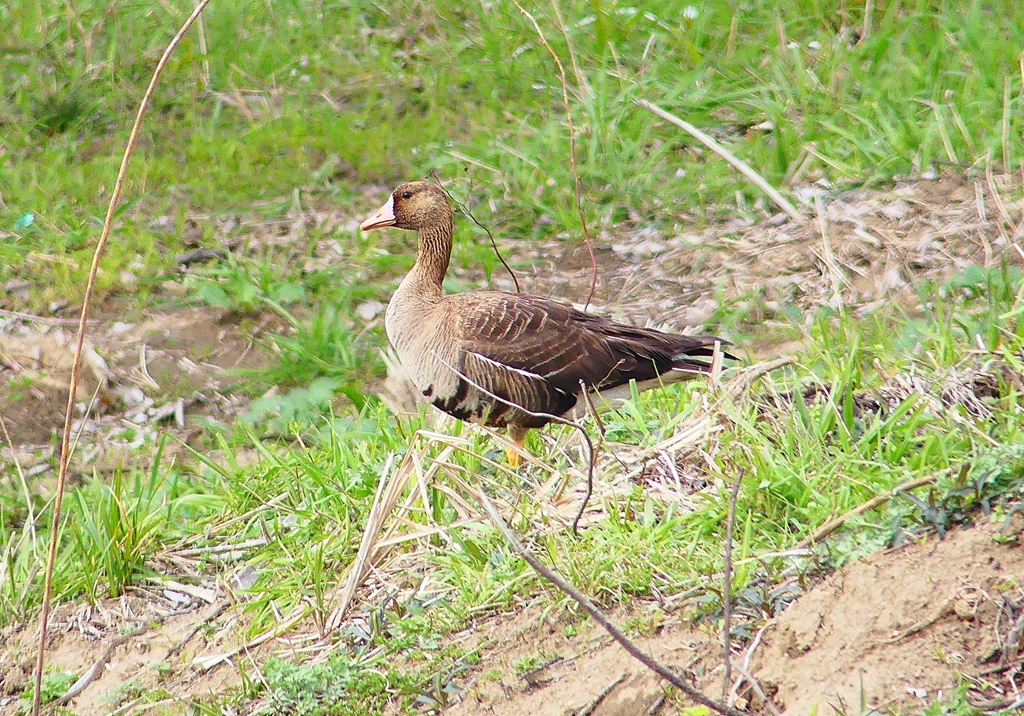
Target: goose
512 360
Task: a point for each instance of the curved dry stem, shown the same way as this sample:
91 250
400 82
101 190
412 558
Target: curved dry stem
76 368
465 210
547 416
577 184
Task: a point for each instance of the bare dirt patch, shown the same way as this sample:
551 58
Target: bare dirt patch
137 646
897 628
158 373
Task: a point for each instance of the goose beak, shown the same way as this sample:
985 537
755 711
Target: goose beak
384 216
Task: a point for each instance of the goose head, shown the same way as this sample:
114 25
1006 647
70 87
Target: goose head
415 205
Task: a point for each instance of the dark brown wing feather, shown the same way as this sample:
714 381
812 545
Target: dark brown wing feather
535 352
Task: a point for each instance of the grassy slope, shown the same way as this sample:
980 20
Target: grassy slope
339 95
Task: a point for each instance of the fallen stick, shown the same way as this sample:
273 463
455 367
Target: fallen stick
601 618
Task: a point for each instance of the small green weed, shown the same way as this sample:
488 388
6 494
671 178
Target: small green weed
529 663
955 704
246 287
116 527
111 529
55 684
342 686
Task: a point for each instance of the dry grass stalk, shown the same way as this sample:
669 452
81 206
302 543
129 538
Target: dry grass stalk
832 525
728 156
108 223
389 490
727 587
577 184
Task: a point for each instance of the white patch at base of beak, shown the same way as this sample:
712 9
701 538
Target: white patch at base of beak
384 216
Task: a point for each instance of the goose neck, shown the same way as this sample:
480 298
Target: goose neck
434 254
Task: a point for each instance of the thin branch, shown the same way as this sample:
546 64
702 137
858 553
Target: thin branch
223 607
577 184
76 368
41 319
728 156
548 416
582 86
601 618
465 210
727 587
832 525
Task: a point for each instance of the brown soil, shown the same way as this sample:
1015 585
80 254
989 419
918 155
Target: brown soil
896 629
82 636
134 375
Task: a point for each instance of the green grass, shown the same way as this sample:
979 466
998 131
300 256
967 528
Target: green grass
309 108
345 94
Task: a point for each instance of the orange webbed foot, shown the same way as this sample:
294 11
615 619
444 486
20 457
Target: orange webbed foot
517 435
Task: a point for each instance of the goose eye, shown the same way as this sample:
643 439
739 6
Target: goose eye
406 194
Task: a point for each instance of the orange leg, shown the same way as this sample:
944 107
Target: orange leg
517 434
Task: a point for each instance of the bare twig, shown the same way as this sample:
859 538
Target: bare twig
65 447
728 156
577 184
768 701
727 587
465 210
600 617
745 675
596 701
944 609
582 86
203 52
223 607
41 319
832 525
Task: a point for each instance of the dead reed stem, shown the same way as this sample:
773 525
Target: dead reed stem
727 588
76 367
728 156
832 525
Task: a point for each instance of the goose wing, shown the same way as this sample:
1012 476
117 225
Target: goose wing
536 352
